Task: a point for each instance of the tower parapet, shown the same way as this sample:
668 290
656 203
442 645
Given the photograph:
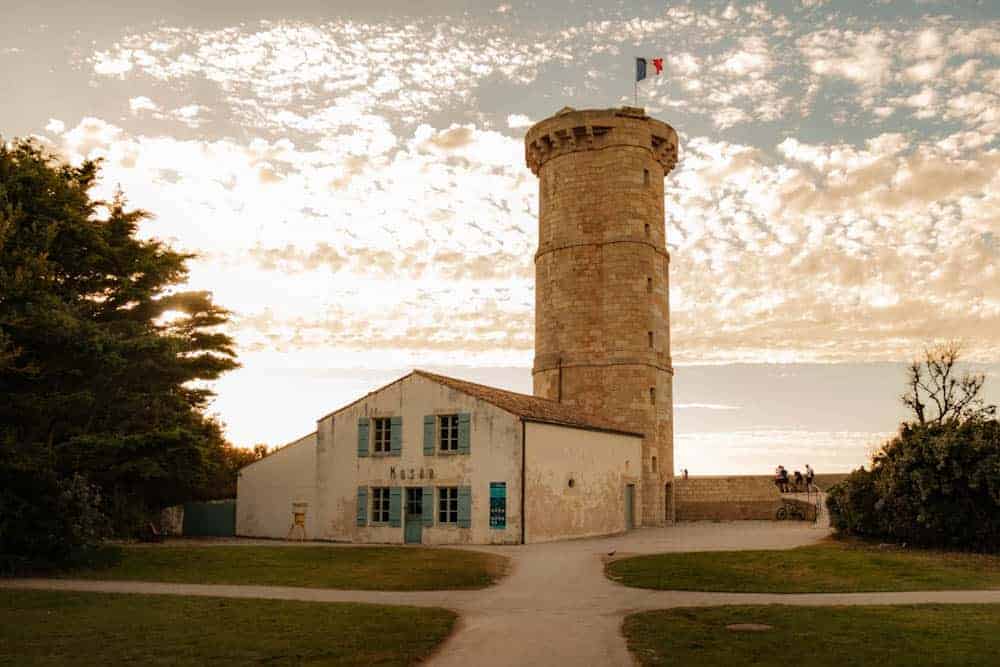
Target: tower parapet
593 129
602 320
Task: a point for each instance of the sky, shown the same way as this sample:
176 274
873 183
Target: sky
351 177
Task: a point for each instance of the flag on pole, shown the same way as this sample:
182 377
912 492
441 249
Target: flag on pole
640 72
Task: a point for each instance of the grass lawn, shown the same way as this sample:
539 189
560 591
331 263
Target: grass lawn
58 628
828 567
365 568
819 636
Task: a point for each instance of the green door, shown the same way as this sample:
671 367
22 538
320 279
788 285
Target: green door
629 506
414 518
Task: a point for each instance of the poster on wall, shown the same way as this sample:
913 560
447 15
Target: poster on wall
498 505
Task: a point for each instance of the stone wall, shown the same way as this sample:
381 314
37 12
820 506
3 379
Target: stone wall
732 498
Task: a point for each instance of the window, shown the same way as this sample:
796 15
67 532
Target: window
448 504
647 230
383 435
380 505
448 438
645 176
650 334
655 467
649 284
652 395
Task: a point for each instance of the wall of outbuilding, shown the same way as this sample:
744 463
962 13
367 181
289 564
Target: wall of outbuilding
494 456
600 464
266 490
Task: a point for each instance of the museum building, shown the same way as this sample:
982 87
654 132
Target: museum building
434 460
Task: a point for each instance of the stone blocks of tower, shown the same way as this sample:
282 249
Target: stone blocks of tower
602 317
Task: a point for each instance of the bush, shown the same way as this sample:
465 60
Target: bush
48 522
852 505
934 485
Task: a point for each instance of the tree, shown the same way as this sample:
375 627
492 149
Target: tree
230 460
937 483
103 359
936 394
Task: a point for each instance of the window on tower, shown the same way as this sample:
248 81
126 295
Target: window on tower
649 284
647 230
645 176
650 334
652 395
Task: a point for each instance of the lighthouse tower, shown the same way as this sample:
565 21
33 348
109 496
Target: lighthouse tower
602 313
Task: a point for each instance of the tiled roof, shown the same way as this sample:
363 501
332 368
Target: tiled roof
531 408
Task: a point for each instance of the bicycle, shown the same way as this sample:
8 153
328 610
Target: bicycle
790 511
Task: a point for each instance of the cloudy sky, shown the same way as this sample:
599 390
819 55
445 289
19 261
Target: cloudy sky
351 176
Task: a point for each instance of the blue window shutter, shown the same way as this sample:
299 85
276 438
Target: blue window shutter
429 434
396 436
362 505
428 506
362 436
395 506
464 432
464 507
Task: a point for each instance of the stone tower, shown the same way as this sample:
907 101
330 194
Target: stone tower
602 315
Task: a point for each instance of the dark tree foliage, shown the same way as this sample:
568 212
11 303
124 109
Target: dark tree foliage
937 483
230 459
103 361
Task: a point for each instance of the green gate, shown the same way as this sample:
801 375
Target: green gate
211 519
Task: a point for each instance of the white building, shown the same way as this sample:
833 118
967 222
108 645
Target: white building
434 460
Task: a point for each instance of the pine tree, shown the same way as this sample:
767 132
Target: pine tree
103 359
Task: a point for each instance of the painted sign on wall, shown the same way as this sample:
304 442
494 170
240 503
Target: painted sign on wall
498 505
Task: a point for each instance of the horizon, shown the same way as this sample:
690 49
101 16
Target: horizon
352 180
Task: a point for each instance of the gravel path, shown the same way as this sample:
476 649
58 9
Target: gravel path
556 605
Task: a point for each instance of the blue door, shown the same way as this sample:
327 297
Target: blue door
414 516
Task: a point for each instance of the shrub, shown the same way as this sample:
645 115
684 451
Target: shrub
48 522
852 504
935 485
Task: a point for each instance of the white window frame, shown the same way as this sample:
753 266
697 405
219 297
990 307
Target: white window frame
380 504
448 433
447 508
382 435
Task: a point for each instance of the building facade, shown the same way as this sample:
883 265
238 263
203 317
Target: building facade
430 459
602 312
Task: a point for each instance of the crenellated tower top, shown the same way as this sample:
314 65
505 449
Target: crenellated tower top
571 130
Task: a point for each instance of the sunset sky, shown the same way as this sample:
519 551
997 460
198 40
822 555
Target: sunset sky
351 175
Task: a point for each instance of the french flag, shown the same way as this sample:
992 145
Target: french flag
640 67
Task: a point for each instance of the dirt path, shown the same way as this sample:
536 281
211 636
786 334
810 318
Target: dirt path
556 605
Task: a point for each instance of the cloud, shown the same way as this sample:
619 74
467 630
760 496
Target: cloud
261 69
389 211
91 138
142 103
518 120
113 64
862 58
55 126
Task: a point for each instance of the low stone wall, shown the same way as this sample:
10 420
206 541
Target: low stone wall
730 498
